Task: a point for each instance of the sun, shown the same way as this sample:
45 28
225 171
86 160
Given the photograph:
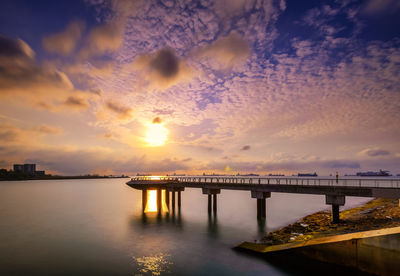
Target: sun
156 135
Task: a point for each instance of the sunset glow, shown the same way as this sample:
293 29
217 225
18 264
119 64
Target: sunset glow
151 204
223 86
156 135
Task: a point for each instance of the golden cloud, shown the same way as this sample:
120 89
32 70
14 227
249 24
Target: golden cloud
225 52
102 39
122 112
24 81
64 43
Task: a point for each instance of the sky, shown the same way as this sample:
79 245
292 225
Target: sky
228 86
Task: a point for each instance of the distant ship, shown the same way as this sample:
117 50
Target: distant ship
250 174
275 174
369 173
307 174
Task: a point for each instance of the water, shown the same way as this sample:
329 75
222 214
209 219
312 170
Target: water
96 227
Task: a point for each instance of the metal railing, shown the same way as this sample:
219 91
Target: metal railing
317 181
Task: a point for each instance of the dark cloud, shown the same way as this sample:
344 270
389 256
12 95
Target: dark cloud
10 48
47 129
157 120
84 161
377 152
123 112
187 159
246 147
76 102
22 79
163 111
165 63
8 135
341 164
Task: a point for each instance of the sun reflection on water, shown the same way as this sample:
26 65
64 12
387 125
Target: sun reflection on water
151 203
155 265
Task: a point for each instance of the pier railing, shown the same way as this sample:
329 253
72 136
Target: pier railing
347 182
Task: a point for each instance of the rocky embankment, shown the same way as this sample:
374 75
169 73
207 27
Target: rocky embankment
376 214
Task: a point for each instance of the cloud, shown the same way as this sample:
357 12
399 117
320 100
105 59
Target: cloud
157 120
122 112
165 63
64 43
14 49
246 147
46 129
375 152
373 7
23 81
76 102
102 39
97 160
226 52
163 68
290 166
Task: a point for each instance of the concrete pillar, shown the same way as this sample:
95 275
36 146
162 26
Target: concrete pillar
159 201
173 201
179 200
212 198
335 201
209 203
261 197
167 198
335 213
215 203
144 199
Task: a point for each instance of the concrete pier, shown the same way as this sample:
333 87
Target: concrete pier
144 199
212 198
159 203
261 203
261 188
335 201
173 202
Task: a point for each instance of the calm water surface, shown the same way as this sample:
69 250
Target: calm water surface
96 227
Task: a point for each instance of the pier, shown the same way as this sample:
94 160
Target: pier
260 188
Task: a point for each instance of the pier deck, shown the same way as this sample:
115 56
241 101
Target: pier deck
261 188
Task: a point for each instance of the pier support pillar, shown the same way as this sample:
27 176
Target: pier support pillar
335 201
261 203
179 200
212 198
209 203
173 201
144 199
159 203
167 198
215 203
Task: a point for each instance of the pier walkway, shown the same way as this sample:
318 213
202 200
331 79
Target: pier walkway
335 191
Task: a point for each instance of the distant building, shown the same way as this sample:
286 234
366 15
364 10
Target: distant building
29 169
18 168
39 173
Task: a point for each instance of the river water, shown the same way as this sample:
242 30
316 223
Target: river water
96 227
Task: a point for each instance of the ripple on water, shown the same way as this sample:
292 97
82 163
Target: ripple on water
155 264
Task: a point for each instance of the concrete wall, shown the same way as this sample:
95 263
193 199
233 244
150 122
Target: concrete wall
378 255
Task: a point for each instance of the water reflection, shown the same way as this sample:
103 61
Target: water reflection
152 198
213 225
262 226
155 264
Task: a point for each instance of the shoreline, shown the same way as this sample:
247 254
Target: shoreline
373 215
60 177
